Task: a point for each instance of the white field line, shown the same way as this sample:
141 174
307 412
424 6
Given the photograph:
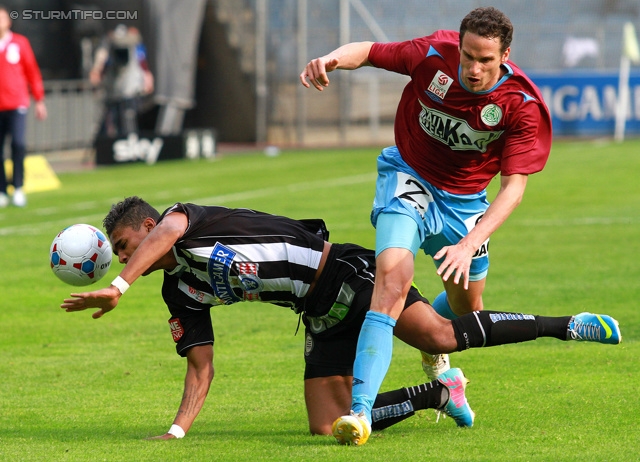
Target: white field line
583 221
96 219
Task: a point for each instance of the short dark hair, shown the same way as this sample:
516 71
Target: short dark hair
130 212
488 22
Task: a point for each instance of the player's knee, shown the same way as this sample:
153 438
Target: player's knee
393 283
320 429
440 339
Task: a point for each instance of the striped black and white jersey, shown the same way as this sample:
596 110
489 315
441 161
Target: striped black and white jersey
233 255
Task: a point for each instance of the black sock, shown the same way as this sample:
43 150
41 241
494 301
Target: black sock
553 327
490 328
397 405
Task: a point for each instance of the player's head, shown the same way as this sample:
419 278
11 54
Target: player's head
131 212
488 23
485 36
128 223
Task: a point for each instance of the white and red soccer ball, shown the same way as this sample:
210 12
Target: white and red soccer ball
80 255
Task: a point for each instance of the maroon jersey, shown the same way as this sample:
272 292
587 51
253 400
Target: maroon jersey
456 139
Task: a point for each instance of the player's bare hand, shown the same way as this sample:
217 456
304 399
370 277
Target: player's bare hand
457 261
316 72
41 110
105 299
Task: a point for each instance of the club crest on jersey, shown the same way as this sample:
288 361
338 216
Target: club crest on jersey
491 115
439 86
218 268
249 280
176 329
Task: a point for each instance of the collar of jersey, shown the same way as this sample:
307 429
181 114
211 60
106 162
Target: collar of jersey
508 74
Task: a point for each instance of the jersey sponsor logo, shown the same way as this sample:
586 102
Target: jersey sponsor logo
219 267
455 133
249 281
176 329
337 313
334 316
198 295
491 115
410 190
470 223
439 86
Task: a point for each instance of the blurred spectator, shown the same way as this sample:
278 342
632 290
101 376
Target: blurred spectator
575 49
121 66
19 76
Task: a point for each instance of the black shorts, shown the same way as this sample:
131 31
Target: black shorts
335 311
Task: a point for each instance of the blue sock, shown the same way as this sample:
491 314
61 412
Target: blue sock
373 357
441 305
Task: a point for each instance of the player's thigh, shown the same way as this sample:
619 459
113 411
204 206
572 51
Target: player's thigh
327 398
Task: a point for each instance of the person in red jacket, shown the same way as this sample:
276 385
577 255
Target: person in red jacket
19 77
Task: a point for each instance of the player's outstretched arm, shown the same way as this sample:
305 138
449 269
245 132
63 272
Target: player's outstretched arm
457 258
350 56
147 257
196 387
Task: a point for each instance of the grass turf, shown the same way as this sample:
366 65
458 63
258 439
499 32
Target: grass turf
74 388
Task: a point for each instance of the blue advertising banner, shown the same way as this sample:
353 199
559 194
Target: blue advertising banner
584 103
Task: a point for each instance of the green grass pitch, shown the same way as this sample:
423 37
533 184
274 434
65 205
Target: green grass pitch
74 388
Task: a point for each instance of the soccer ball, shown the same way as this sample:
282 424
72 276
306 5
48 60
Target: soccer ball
80 255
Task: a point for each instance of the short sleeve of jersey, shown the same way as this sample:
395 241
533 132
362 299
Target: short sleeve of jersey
190 322
404 57
198 216
528 143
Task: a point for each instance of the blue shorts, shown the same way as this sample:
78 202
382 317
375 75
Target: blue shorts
431 218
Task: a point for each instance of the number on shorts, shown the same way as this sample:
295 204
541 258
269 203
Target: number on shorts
412 191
